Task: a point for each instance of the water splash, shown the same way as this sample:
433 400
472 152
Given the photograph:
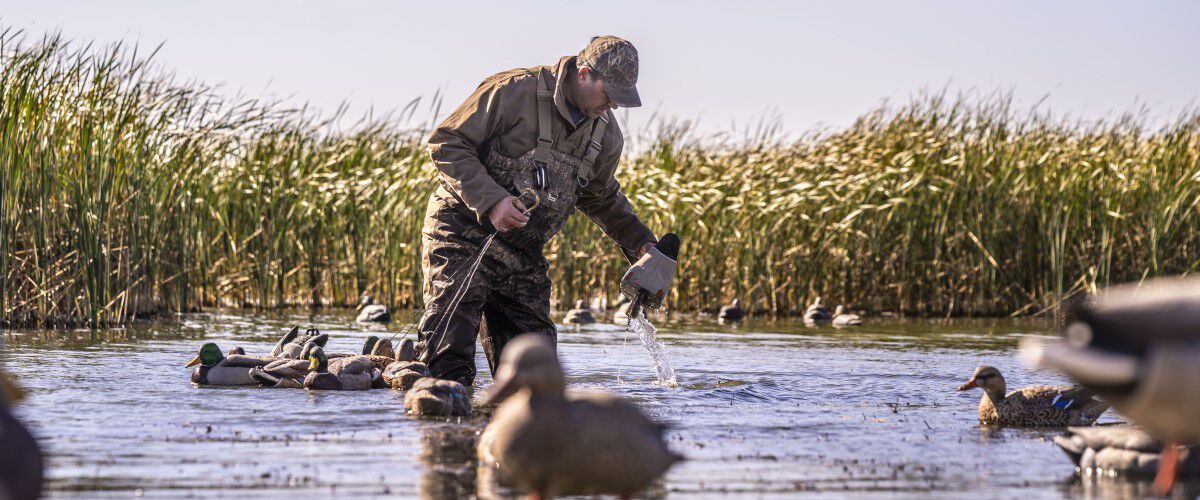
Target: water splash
664 370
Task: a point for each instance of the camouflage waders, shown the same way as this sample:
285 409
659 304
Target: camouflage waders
510 292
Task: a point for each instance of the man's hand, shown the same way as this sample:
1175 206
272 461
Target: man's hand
651 276
508 214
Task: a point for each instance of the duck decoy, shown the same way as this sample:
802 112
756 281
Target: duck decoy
731 313
350 373
284 372
580 315
817 313
552 443
291 345
405 370
1138 346
1036 406
217 369
842 318
1120 450
435 397
370 312
21 465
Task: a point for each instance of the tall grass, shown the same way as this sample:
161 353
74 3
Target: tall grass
125 193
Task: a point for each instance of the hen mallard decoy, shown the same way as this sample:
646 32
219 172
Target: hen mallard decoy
435 397
1120 450
580 315
21 464
217 369
817 313
731 313
1037 406
1138 346
291 345
843 318
370 312
553 443
405 370
285 372
350 373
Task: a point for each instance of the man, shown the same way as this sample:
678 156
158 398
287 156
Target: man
526 148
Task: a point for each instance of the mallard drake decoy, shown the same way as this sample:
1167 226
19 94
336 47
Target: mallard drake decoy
1138 346
557 444
580 315
350 373
817 313
218 369
370 312
291 345
21 464
731 312
435 397
843 318
1037 406
1120 450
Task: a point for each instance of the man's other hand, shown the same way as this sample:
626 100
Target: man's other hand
508 214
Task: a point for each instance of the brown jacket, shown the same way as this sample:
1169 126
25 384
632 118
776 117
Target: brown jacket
504 109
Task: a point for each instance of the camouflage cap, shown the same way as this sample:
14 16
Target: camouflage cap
615 60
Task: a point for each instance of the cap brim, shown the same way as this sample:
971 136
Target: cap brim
625 97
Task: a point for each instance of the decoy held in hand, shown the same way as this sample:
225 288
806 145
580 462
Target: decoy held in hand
553 443
1037 406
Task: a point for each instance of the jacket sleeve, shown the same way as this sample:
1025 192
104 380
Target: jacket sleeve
604 203
455 144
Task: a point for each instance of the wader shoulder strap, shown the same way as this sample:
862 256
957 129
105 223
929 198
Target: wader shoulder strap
593 150
545 101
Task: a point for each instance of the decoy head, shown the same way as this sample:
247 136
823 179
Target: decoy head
369 344
818 303
407 351
529 361
987 378
579 304
210 355
737 303
840 309
365 301
317 361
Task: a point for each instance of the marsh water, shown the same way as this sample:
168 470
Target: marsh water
764 409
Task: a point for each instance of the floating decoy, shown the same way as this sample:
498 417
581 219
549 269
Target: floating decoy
552 443
1120 450
435 397
370 312
843 318
1036 406
350 373
285 372
217 369
731 313
817 313
291 345
1138 346
580 315
21 464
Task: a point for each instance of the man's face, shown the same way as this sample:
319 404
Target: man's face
590 97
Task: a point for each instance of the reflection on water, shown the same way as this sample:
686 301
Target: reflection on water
763 409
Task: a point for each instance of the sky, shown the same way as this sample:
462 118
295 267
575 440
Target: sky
726 66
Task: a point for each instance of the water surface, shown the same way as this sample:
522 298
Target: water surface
763 409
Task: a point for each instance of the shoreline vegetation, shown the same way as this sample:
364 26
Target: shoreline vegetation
125 193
